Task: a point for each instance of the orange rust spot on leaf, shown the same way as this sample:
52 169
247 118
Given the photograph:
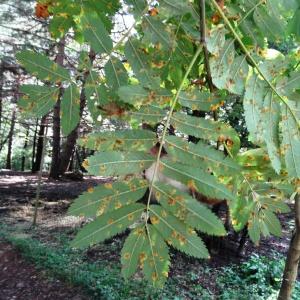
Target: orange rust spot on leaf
85 163
90 189
108 186
126 255
130 217
154 276
154 220
41 11
142 257
153 12
171 201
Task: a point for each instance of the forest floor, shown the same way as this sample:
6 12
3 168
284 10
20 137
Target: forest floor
20 279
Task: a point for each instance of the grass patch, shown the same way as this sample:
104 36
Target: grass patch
99 280
258 278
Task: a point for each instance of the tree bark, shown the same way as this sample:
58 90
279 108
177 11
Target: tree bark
24 150
34 145
71 140
40 145
292 261
54 170
1 90
40 175
70 143
10 139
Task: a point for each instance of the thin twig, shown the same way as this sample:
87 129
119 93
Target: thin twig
40 175
204 45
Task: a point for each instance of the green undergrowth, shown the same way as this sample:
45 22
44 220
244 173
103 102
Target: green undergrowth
259 278
99 280
256 279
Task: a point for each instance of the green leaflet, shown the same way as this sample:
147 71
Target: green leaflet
157 260
205 129
136 95
108 197
272 223
275 205
145 247
157 33
268 19
140 63
228 72
294 25
150 114
262 220
114 163
286 86
176 233
137 7
59 26
255 158
254 230
107 7
240 212
171 8
70 109
91 84
96 35
216 39
253 103
84 62
42 67
116 74
271 68
132 251
38 100
197 179
121 140
98 95
237 75
200 154
188 210
108 225
220 64
252 32
291 139
199 100
270 114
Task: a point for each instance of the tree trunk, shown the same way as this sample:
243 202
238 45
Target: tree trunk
1 91
54 170
70 143
10 139
24 150
40 145
71 140
67 151
292 261
34 145
71 164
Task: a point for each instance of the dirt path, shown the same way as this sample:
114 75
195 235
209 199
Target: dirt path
20 280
